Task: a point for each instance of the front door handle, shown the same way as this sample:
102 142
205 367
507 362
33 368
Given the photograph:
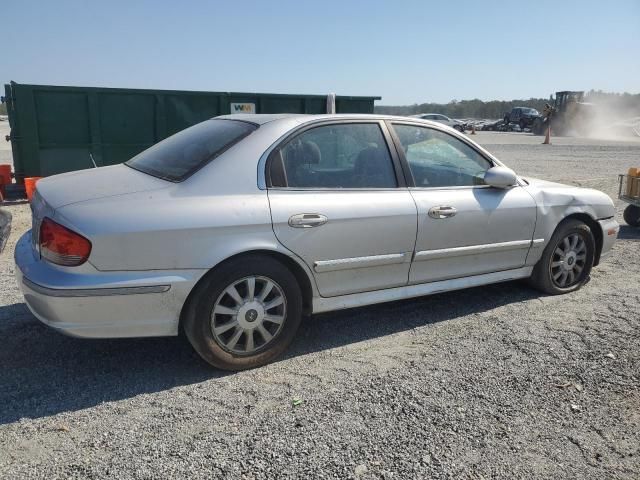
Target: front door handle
307 220
442 212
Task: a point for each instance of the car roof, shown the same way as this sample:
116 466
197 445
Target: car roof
260 118
263 118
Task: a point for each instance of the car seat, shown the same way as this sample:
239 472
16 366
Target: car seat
299 160
373 169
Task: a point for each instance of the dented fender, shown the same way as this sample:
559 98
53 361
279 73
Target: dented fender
556 201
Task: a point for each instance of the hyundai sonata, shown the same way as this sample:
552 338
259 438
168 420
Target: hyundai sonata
235 228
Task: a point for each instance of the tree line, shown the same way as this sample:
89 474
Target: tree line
628 105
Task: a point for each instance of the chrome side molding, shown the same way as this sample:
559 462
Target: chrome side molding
322 266
474 249
93 292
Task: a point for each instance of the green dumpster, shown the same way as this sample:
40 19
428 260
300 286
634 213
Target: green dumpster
60 129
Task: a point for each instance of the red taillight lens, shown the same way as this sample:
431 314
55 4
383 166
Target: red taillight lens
60 245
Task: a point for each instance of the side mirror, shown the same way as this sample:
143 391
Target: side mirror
500 177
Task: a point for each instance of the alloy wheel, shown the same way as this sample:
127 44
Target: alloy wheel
248 315
568 260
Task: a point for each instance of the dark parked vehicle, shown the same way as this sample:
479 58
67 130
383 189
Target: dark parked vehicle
493 126
522 116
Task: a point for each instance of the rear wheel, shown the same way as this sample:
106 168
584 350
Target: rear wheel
244 314
567 260
632 215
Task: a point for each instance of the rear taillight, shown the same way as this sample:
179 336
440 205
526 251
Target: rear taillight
62 246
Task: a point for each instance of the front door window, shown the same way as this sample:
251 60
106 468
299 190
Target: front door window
437 159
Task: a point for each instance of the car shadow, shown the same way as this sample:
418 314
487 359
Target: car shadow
629 233
43 372
335 329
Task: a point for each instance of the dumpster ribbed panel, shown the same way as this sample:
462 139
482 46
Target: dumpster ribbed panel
54 129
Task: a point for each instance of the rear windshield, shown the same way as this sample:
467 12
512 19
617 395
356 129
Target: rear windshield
180 155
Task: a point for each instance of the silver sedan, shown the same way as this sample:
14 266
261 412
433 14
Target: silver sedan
235 228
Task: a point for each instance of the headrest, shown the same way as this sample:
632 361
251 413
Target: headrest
298 154
310 153
370 159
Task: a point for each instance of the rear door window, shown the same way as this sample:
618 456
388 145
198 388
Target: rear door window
180 155
349 155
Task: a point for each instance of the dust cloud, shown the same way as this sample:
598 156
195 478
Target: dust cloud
611 116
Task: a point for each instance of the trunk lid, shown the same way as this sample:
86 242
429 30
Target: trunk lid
83 185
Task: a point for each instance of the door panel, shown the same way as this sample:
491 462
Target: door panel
464 226
365 244
490 231
338 201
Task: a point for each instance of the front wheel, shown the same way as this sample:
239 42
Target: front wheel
632 215
244 314
567 260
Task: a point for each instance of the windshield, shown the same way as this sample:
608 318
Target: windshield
530 111
180 155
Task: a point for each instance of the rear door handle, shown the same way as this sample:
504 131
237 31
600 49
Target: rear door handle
442 212
307 220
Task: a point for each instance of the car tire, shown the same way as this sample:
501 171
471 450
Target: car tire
632 215
458 128
565 267
213 307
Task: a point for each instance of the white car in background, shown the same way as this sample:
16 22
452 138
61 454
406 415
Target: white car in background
436 117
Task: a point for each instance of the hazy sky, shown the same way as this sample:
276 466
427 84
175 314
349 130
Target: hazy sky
406 51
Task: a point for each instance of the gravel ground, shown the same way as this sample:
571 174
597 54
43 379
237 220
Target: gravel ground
493 382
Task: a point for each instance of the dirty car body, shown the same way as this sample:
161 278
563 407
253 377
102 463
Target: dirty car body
234 238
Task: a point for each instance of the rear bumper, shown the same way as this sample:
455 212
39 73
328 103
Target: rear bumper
85 302
610 229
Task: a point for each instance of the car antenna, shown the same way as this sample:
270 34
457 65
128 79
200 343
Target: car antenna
92 160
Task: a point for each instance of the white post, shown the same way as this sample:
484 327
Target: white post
331 103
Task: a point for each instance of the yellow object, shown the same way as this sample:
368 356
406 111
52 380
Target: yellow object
633 183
